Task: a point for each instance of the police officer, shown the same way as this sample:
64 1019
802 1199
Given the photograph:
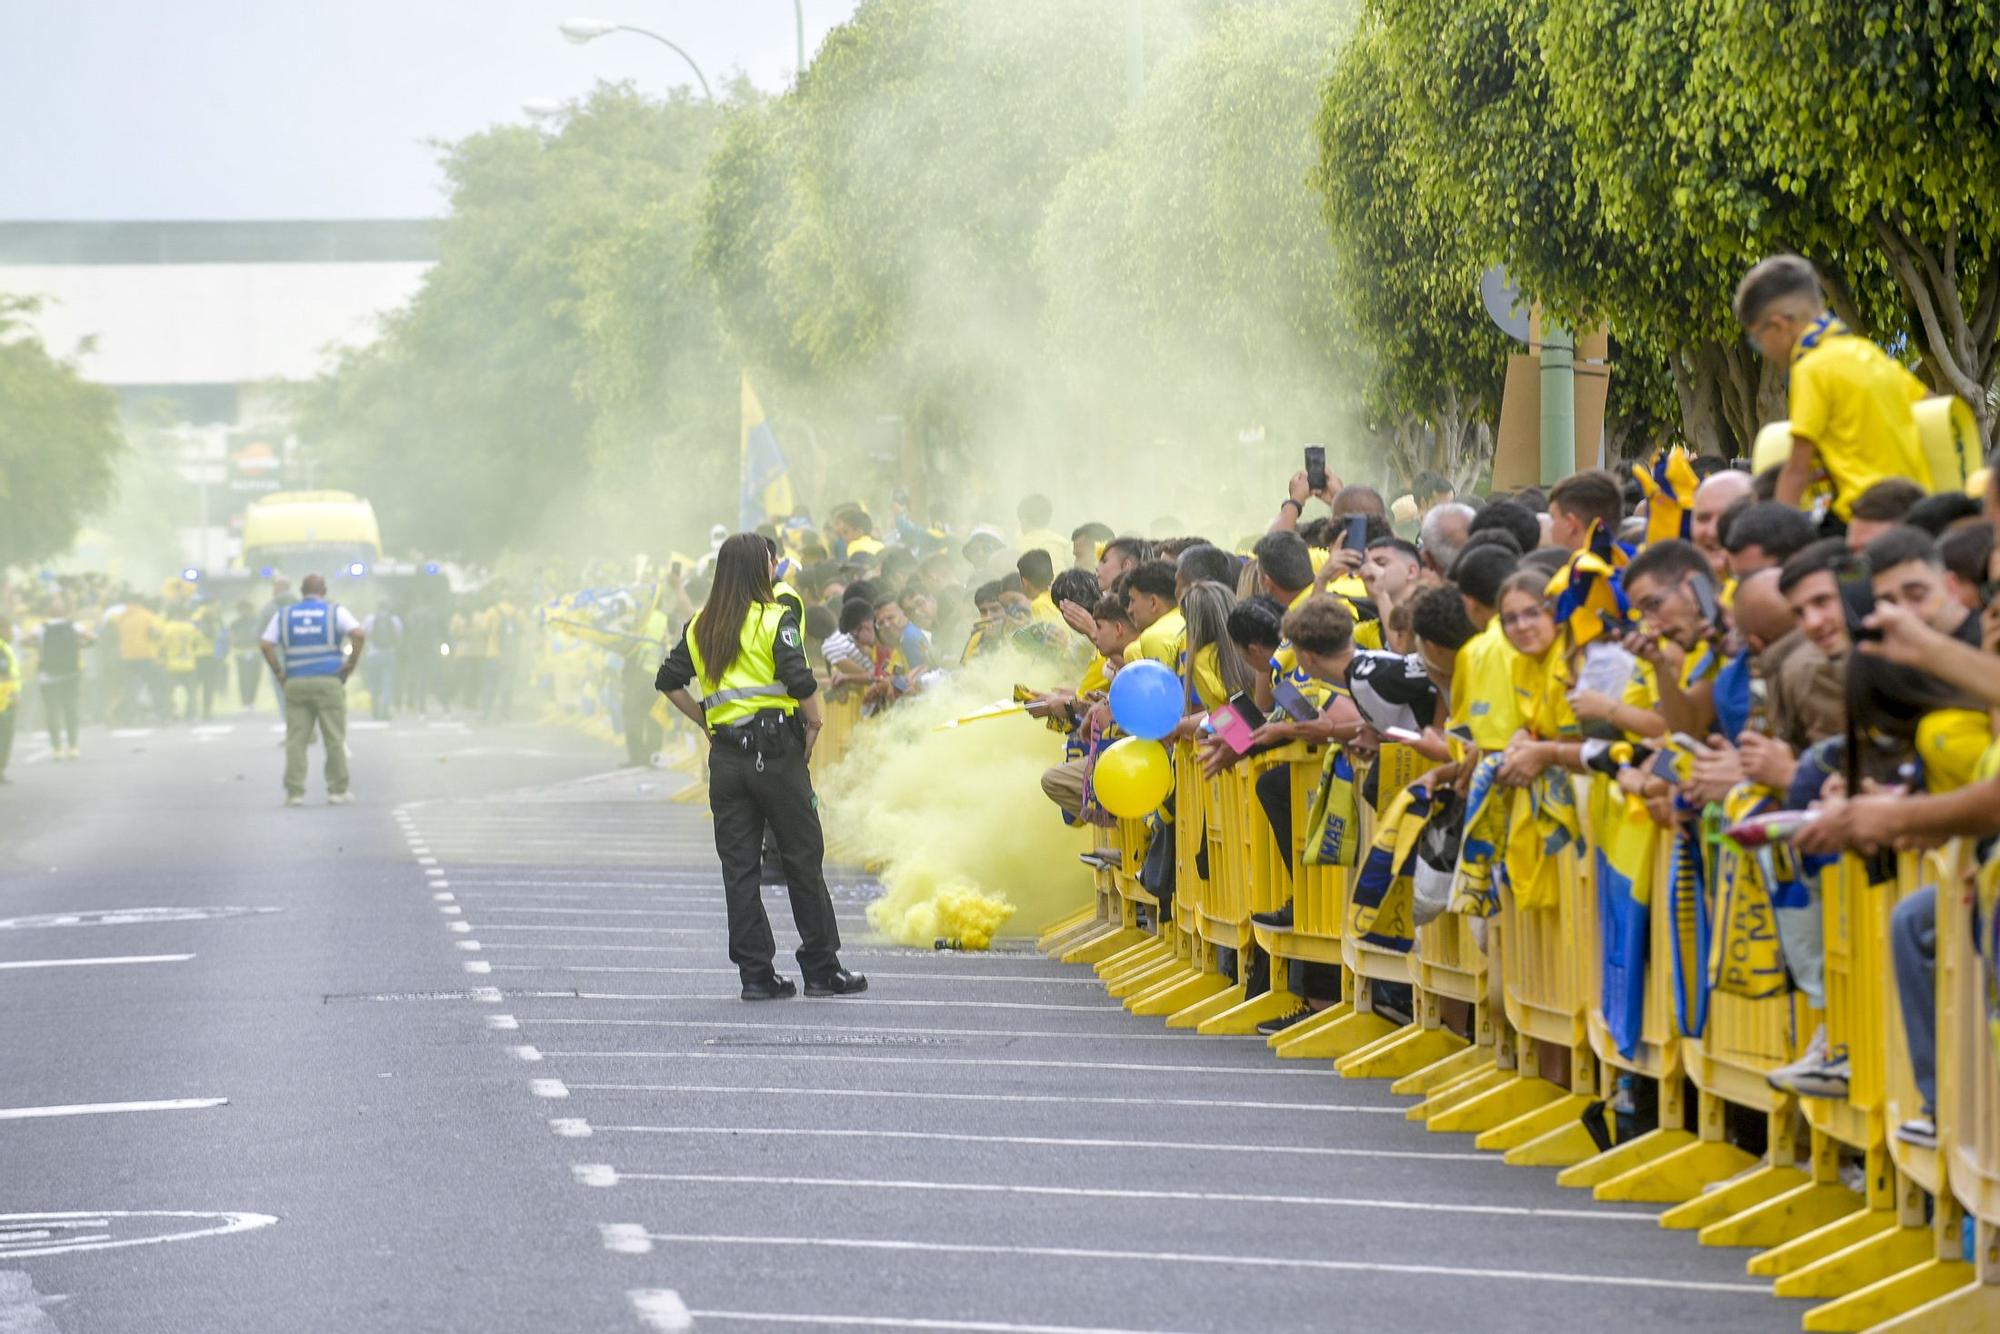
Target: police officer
303 645
754 692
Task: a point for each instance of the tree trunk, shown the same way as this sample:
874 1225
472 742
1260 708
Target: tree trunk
1695 370
1957 338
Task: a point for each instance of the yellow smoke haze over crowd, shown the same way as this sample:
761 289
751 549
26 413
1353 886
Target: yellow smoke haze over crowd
968 846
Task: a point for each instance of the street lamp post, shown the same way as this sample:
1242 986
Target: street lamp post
580 31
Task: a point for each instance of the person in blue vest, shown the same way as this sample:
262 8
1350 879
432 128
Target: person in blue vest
740 672
304 645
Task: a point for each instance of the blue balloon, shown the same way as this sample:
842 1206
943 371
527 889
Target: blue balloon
1146 699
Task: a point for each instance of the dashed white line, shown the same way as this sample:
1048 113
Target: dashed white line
1071 1036
1095 1193
1056 1142
904 1322
660 1308
1169 1259
101 1108
1229 1071
925 1095
98 962
548 1088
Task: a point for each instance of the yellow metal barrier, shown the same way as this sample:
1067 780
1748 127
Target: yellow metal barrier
1319 911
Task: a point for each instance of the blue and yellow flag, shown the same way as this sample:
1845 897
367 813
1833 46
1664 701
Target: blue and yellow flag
1669 483
767 485
1589 593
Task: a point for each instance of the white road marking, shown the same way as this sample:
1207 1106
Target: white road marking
608 912
525 1053
214 729
477 966
660 1308
594 1174
502 1023
90 963
1058 1142
625 1238
548 1088
434 872
1166 1258
125 917
1068 1035
1107 1007
231 1222
612 930
486 995
905 1322
1232 1071
135 733
967 976
99 1108
427 861
450 909
1241 1104
1188 1196
467 944
570 1127
459 926
443 898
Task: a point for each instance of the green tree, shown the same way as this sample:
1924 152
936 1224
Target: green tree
1187 268
1884 118
1409 279
59 443
559 379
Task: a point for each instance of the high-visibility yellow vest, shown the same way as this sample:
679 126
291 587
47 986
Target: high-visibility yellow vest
10 676
750 685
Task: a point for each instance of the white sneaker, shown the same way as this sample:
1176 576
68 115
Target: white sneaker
295 801
1785 1078
341 799
75 754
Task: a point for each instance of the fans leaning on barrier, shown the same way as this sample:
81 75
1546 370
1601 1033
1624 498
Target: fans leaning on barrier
1849 402
1764 535
10 694
304 646
1718 495
1905 570
759 704
1579 501
60 642
1442 536
1881 507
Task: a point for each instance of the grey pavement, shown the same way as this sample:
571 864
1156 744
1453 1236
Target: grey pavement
484 1069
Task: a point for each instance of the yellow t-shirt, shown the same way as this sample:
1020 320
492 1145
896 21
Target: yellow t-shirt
1541 695
1095 677
865 545
1163 641
1852 401
1368 635
1043 608
1285 667
181 645
1482 689
138 634
1208 686
1953 744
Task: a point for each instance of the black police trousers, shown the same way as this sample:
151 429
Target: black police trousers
745 798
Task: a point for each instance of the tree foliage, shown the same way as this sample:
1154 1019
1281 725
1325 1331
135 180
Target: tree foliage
59 442
560 376
1187 268
1409 274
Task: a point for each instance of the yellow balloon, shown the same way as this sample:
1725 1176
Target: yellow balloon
1133 777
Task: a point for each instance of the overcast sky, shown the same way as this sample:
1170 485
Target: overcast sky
123 109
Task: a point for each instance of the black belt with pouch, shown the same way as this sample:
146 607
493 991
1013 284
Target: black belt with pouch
763 732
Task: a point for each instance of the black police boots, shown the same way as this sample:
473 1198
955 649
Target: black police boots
770 988
840 982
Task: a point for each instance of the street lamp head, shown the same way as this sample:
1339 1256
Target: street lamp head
586 30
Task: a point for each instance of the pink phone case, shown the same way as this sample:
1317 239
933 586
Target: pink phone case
1229 725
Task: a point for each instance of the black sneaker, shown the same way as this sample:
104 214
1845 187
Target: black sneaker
1281 920
770 988
1285 1021
840 982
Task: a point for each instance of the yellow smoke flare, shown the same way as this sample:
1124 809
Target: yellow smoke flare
956 820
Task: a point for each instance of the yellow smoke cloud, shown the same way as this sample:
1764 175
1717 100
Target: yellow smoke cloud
967 843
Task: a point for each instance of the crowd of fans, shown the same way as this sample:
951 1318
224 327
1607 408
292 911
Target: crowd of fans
1816 637
83 648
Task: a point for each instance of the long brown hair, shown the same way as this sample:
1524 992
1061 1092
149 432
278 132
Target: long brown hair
742 577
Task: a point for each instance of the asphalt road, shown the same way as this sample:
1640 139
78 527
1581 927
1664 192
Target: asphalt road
466 1055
